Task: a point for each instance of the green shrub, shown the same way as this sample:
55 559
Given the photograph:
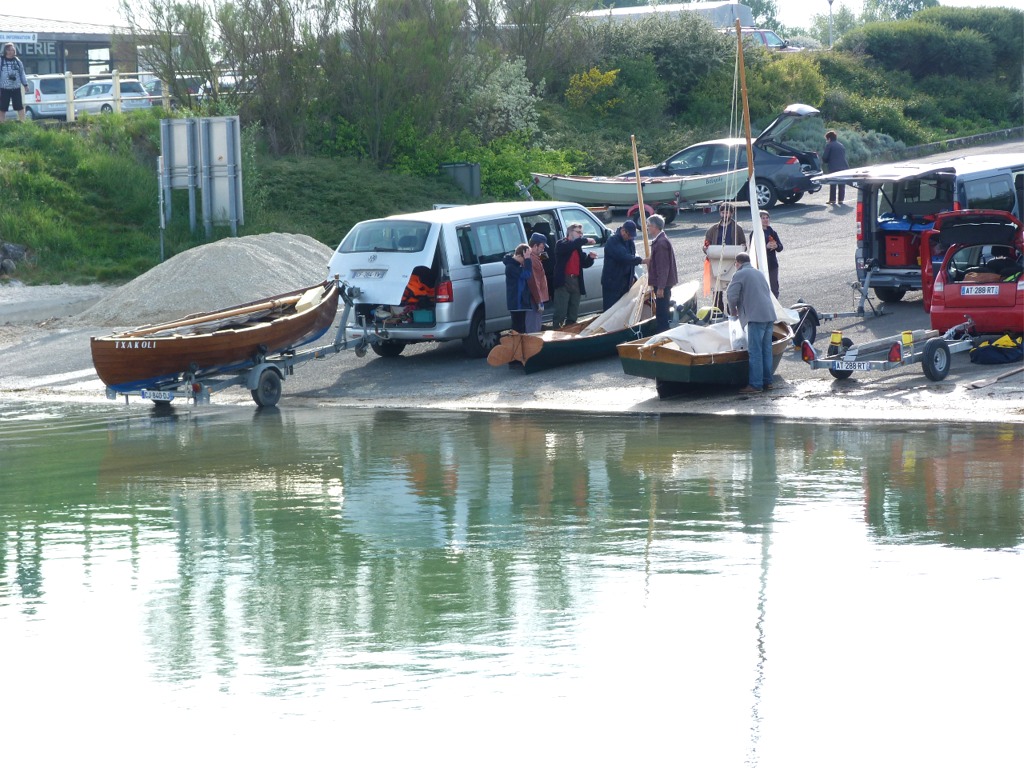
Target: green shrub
922 49
1003 29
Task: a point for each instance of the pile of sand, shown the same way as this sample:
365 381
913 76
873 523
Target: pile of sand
231 271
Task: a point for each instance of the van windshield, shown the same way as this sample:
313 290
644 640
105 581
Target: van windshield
386 235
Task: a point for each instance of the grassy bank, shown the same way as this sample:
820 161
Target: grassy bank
83 198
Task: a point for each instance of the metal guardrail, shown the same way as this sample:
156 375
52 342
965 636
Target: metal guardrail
923 150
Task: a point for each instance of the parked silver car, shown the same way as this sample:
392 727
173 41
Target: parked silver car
98 96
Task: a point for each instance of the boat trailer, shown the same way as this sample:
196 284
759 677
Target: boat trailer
931 349
264 375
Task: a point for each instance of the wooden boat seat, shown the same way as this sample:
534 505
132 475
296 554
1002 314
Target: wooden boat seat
309 299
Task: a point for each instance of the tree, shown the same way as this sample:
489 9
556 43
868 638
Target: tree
175 40
894 10
765 13
843 20
399 62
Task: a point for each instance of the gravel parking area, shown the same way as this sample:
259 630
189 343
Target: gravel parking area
44 339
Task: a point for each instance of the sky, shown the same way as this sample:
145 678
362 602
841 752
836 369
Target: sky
793 13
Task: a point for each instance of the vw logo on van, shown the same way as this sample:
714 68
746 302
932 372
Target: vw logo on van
372 257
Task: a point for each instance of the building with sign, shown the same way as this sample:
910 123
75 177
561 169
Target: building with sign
52 47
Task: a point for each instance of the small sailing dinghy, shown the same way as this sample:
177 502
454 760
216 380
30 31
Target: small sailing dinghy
629 319
692 356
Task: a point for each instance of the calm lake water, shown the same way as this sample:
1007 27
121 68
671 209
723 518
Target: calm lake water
362 587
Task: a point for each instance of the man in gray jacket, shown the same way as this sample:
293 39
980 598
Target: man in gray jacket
750 299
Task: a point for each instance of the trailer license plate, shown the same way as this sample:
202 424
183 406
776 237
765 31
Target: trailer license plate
979 290
843 365
156 394
369 274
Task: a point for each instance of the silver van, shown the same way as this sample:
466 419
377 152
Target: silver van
46 98
458 253
897 203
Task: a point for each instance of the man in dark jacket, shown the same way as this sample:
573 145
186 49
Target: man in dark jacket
661 270
518 269
567 282
619 261
834 158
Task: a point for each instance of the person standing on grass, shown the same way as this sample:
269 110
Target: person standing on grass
661 270
750 299
13 83
834 158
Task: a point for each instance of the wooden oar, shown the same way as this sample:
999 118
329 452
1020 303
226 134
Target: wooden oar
993 379
275 304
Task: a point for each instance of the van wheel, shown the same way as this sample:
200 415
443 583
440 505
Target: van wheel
388 348
891 295
936 359
479 341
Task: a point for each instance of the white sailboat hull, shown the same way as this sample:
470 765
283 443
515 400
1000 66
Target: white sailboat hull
603 190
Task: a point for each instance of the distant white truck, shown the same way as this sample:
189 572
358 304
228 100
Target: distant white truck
718 14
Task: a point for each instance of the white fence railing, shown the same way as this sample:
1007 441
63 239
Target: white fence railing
41 103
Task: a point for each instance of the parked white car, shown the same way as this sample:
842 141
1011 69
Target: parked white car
98 96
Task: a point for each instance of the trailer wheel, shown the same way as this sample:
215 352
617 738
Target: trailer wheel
834 350
268 391
807 328
936 359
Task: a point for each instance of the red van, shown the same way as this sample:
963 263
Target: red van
980 272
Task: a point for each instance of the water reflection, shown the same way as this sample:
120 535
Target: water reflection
288 540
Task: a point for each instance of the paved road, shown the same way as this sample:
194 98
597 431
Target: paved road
816 266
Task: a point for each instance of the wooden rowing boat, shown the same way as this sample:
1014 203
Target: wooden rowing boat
212 342
688 363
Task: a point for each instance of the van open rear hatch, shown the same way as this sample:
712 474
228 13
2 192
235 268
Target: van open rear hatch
379 257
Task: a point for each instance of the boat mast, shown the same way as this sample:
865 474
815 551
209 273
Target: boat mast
637 312
640 197
746 106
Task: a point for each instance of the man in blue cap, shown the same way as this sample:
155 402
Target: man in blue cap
620 261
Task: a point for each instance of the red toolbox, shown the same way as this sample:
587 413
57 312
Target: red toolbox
898 251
